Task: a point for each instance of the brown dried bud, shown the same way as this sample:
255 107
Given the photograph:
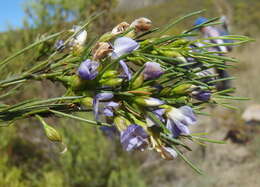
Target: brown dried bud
141 24
120 28
101 50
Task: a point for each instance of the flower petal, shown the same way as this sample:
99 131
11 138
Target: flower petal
124 45
126 69
152 70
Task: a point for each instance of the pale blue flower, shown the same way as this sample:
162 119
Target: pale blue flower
88 70
152 70
124 45
134 138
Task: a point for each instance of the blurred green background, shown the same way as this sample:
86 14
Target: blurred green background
28 158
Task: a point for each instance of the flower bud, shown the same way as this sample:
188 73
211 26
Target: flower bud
138 82
148 101
111 82
181 89
101 50
51 133
110 73
179 42
87 102
121 123
77 83
173 54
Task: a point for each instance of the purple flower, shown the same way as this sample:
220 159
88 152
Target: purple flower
159 113
124 45
134 137
179 120
100 97
59 45
88 70
152 70
126 69
109 108
80 37
201 95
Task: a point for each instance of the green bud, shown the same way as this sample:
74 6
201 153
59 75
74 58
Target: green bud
183 100
74 81
147 101
143 91
181 89
121 123
110 73
179 43
51 133
87 102
111 82
138 82
77 83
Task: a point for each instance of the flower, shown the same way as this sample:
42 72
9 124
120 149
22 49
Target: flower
80 37
88 69
141 24
148 101
134 138
124 45
152 70
120 28
159 114
126 69
179 119
201 95
100 97
168 153
101 50
109 108
59 45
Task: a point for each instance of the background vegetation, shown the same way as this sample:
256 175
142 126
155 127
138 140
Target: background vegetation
27 158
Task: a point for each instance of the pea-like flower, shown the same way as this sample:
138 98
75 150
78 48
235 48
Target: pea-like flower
179 120
202 95
134 138
80 38
124 45
109 108
159 114
168 153
59 45
100 97
152 70
88 69
148 101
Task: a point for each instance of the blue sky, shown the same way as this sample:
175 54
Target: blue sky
11 13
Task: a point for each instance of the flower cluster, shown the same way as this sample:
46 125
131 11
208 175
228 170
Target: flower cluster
146 90
143 87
